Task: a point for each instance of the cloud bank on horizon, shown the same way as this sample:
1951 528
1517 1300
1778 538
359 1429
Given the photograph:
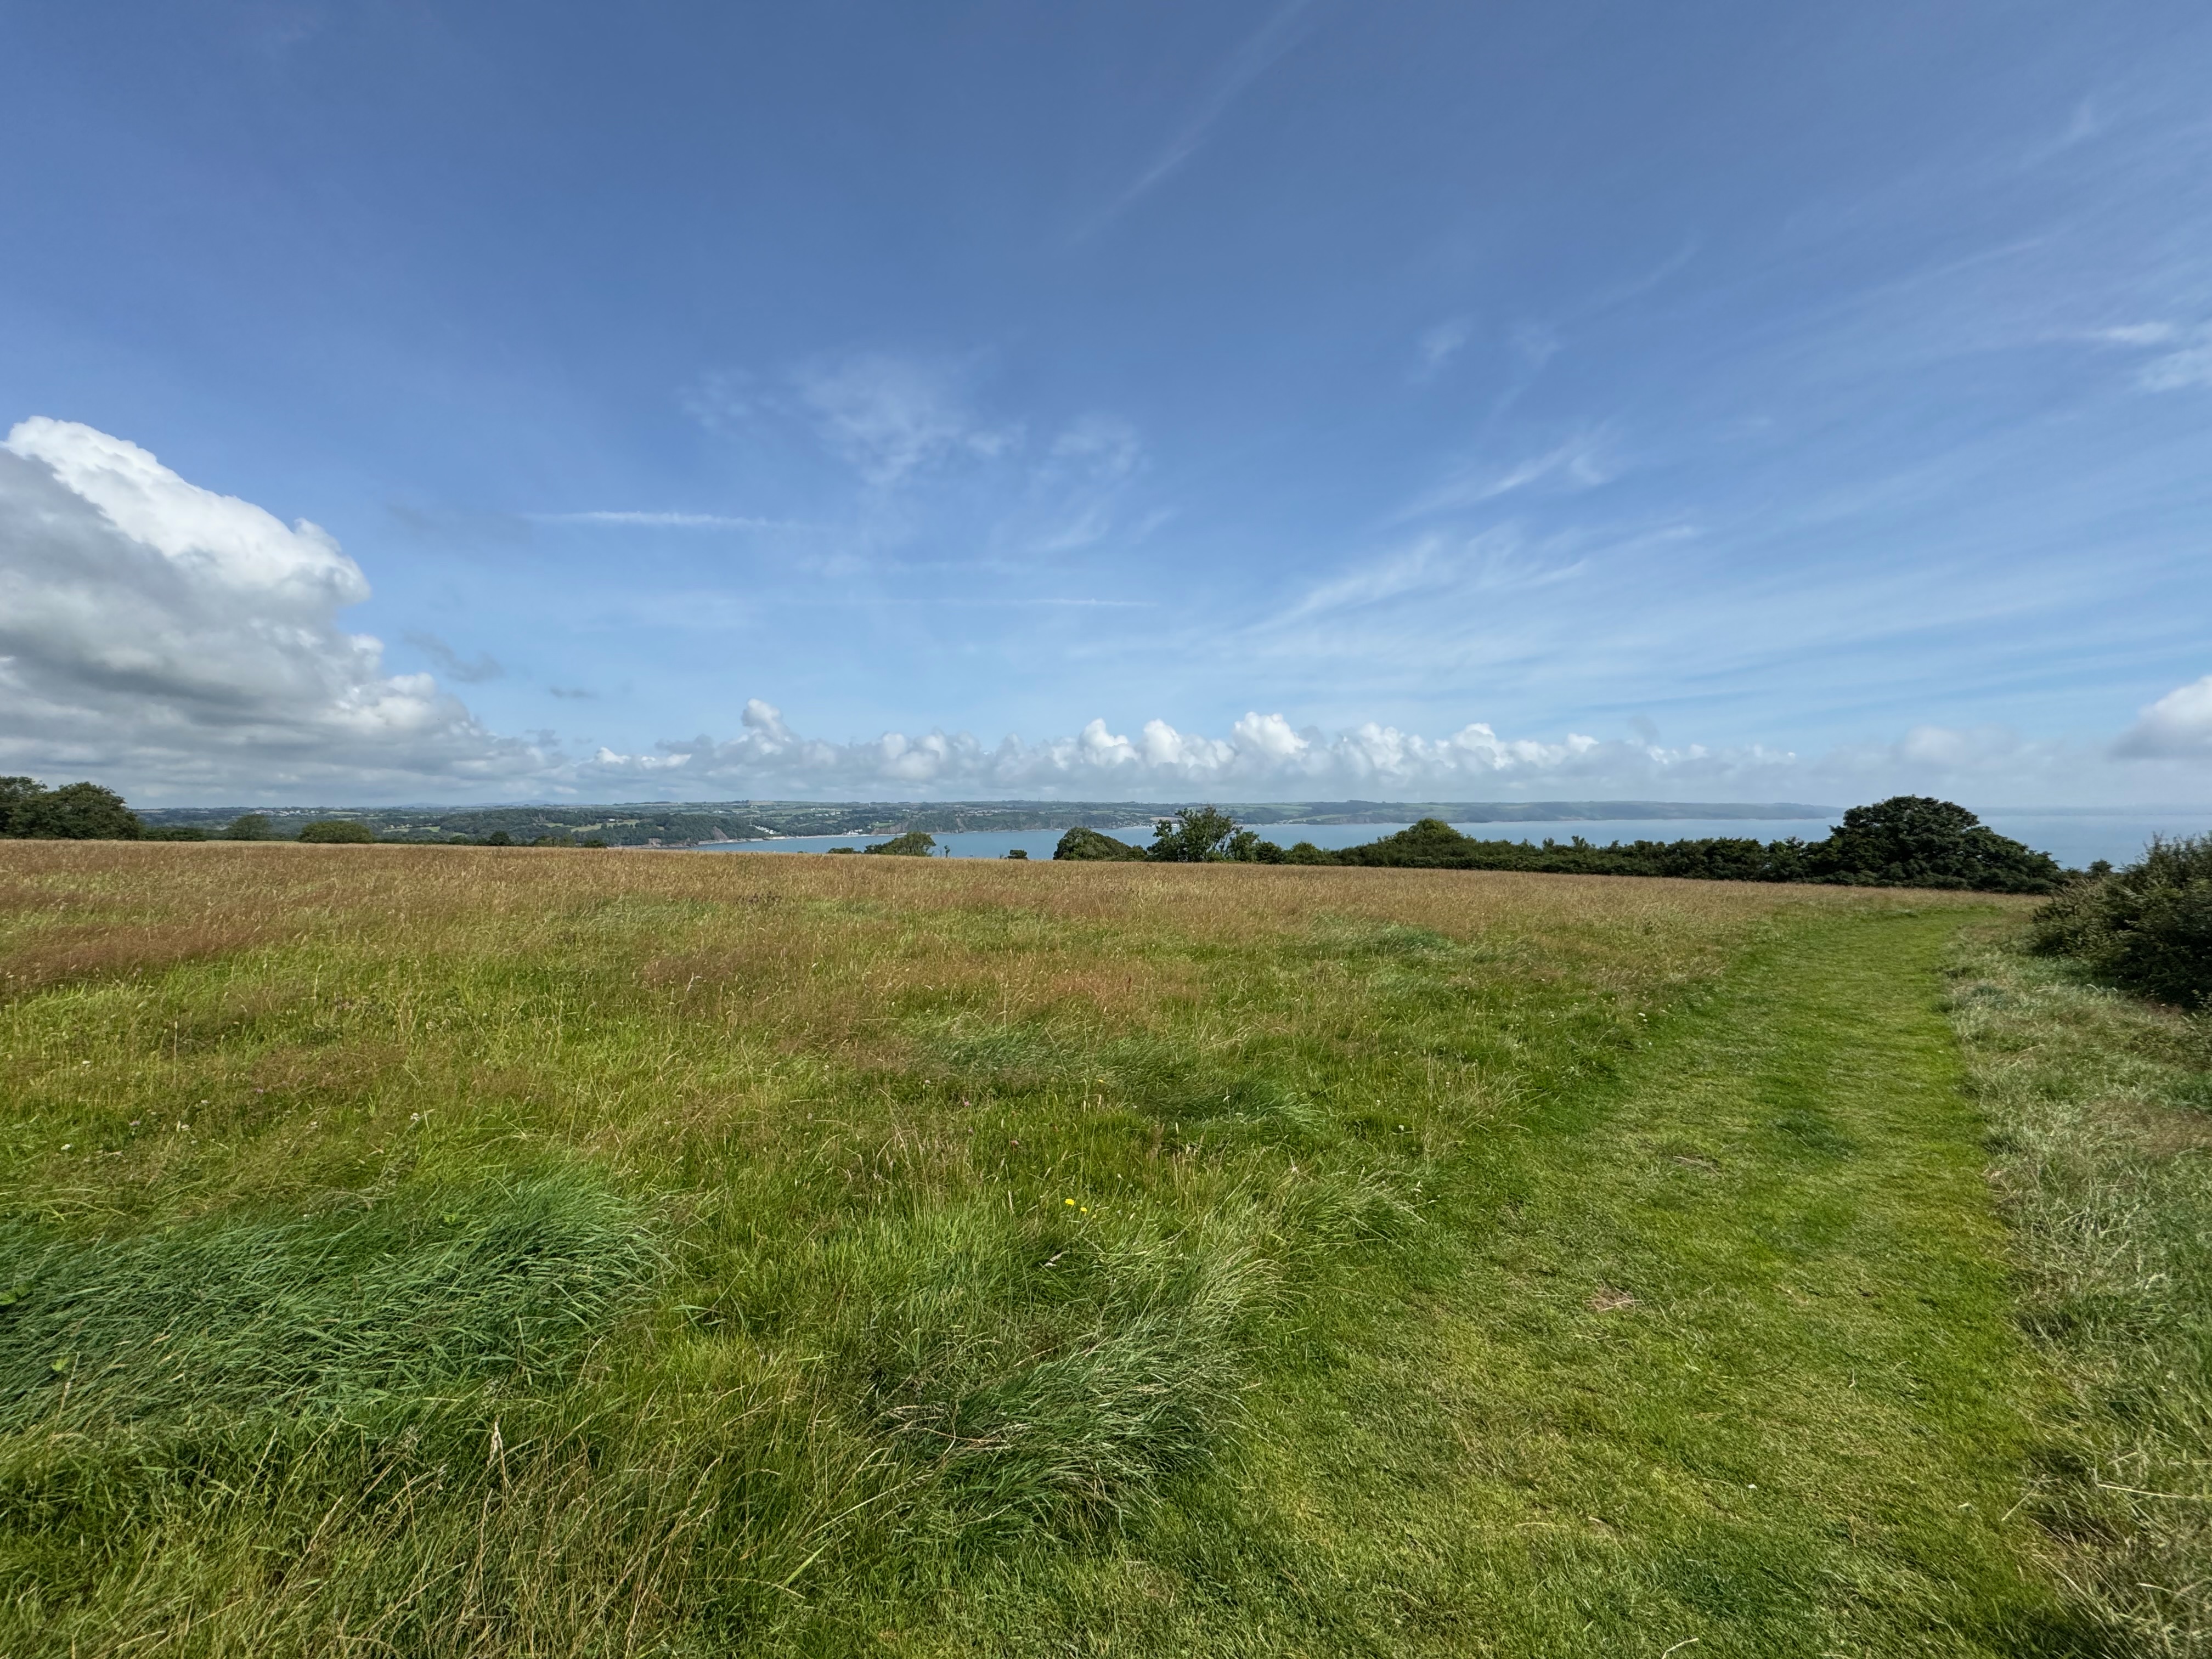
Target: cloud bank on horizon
184 643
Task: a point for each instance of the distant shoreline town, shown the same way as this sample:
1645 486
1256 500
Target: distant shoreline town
693 824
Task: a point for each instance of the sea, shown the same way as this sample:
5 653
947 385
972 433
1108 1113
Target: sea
2074 838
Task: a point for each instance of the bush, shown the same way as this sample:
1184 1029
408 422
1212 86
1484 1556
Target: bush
1081 843
2145 928
1018 853
75 812
251 826
331 830
915 844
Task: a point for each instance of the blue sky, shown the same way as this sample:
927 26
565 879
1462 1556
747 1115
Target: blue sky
1704 401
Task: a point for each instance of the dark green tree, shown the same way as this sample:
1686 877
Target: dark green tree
1090 844
328 831
75 812
1430 843
251 826
1916 840
1199 835
1245 847
16 795
915 844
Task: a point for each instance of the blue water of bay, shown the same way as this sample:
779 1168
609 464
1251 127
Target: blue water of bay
2073 838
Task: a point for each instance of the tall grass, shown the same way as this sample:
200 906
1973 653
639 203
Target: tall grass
2103 1151
318 1317
440 1251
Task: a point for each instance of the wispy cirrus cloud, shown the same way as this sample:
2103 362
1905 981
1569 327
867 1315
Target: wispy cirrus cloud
1433 567
1074 494
932 462
1253 57
1497 608
1584 460
2174 356
2175 371
1438 345
671 520
894 415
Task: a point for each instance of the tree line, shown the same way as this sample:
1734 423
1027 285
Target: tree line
1907 840
86 812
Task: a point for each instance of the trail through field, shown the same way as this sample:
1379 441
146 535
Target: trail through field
441 1252
1727 1368
1734 1362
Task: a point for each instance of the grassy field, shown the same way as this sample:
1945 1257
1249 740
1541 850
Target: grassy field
444 1251
2103 1157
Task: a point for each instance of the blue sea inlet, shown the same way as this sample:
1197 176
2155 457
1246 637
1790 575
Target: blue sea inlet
2073 838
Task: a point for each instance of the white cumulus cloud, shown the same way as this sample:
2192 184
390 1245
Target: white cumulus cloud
2178 727
1262 757
155 631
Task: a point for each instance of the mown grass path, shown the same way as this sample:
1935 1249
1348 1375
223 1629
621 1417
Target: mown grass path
1725 1365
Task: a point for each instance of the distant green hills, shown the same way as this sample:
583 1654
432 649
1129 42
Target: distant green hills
688 823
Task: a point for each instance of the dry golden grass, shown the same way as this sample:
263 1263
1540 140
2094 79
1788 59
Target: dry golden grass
457 978
626 1004
155 905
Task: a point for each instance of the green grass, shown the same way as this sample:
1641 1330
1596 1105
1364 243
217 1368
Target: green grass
423 1251
303 1316
1716 1348
2103 1146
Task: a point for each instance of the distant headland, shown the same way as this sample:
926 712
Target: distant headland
688 823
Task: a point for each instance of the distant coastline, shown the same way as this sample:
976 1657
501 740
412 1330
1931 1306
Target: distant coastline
691 823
